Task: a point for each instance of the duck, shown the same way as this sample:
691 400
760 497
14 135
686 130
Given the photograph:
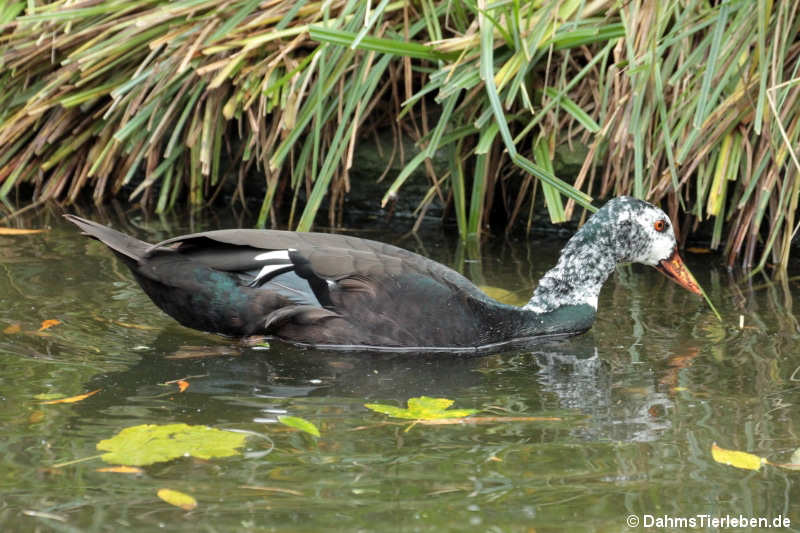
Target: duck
338 291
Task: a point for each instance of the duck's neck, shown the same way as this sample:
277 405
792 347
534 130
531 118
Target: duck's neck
582 269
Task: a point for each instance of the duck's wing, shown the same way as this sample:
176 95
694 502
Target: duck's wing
336 289
218 246
328 256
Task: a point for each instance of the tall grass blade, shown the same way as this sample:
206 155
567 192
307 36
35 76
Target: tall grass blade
693 105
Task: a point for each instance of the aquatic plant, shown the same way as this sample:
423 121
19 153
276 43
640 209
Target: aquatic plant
689 103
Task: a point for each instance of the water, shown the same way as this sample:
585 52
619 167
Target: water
640 399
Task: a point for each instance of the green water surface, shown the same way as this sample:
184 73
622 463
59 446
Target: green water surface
638 402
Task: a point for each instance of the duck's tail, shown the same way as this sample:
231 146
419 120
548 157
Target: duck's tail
124 245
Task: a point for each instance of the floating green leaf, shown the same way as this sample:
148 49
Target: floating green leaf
299 423
149 443
422 408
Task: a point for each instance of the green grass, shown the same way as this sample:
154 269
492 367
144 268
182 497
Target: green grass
690 104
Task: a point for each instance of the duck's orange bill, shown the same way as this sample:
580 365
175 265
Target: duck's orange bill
674 268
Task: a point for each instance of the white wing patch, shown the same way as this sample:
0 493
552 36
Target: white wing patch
266 271
276 260
275 255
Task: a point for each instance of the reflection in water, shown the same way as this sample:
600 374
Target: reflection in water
250 384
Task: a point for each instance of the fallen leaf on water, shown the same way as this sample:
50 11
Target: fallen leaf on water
13 328
121 469
73 399
183 383
36 417
20 231
177 498
49 323
150 443
735 458
299 423
422 408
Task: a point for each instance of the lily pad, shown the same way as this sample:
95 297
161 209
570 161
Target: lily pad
422 408
150 443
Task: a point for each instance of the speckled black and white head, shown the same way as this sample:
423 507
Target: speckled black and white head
625 230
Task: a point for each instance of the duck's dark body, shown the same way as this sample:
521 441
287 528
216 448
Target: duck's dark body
325 290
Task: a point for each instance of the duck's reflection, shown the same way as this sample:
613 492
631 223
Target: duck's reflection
232 383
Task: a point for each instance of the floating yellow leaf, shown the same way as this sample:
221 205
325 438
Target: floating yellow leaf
49 323
422 408
736 458
13 328
73 399
20 231
178 499
182 385
121 469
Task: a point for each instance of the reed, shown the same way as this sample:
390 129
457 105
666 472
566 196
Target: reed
688 103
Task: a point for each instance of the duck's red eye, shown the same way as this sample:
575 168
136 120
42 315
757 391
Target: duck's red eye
660 226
